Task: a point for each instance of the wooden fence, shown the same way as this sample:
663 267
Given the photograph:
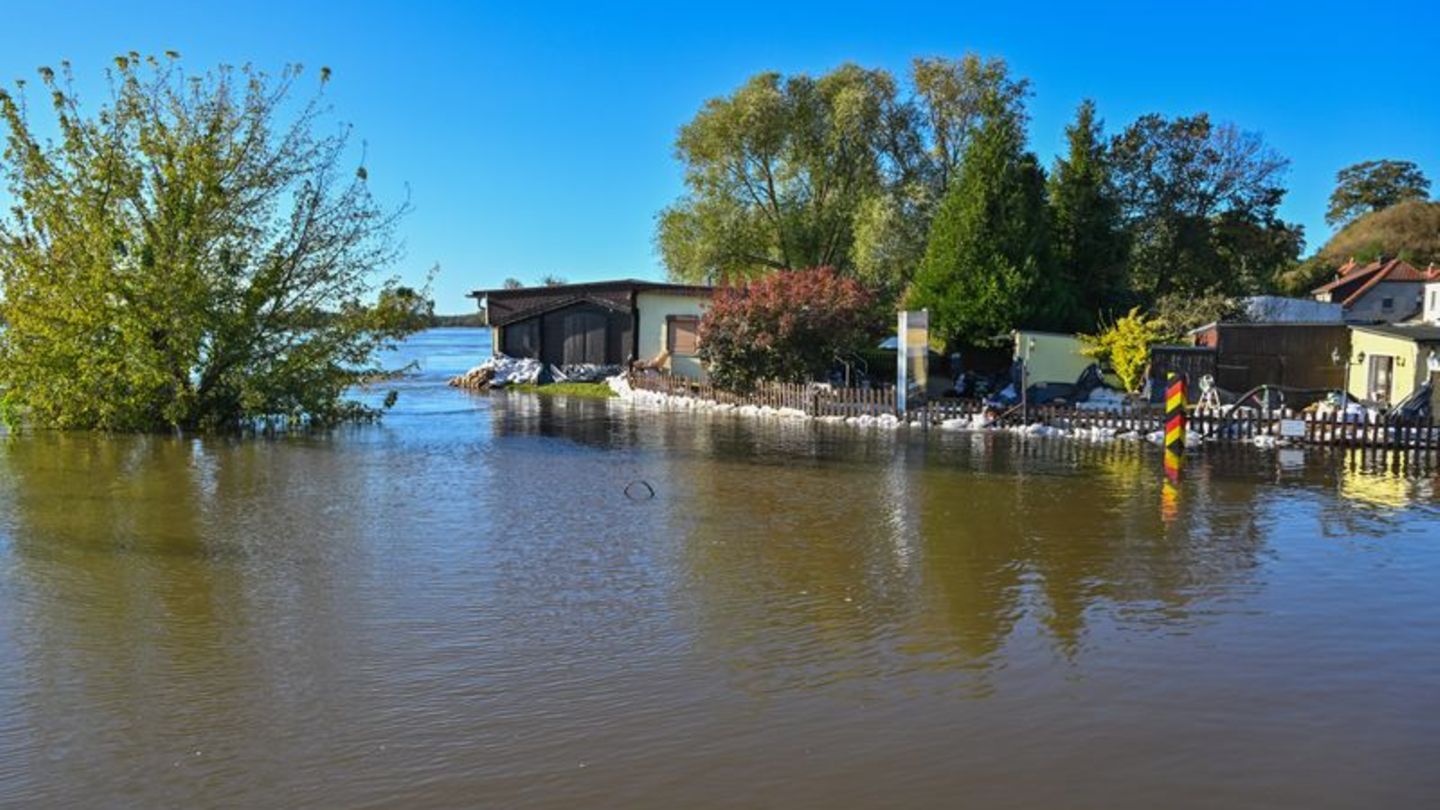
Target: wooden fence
811 399
1240 426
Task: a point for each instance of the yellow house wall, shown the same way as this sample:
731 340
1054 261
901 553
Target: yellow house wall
653 309
1055 358
1407 376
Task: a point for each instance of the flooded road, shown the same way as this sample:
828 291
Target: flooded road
460 606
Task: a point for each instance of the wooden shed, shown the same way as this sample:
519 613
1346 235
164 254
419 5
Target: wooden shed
1297 356
593 323
1191 362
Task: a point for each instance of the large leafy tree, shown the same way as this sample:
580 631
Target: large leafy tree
844 170
1373 185
775 174
1200 203
789 326
985 262
1088 239
950 97
191 254
922 153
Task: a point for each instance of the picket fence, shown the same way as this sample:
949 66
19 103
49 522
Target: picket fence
1222 425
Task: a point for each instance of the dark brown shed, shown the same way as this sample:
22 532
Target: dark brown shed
1295 356
570 324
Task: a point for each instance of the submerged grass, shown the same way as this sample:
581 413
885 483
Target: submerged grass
567 389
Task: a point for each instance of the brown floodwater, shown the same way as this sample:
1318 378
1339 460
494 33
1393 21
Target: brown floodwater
462 607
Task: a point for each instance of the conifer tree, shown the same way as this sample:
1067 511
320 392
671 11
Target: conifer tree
1087 236
983 269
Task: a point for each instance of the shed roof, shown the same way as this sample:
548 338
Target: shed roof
547 305
588 287
1420 333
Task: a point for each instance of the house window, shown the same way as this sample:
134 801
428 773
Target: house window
683 334
1387 303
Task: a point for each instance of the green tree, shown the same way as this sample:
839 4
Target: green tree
190 255
984 263
1373 185
408 306
1200 202
1088 240
1177 314
890 231
924 140
775 175
949 96
844 170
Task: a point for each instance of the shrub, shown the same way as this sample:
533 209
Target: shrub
1125 347
789 326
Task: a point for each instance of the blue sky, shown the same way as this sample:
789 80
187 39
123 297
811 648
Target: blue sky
538 138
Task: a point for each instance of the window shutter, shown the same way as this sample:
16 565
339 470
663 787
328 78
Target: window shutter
683 334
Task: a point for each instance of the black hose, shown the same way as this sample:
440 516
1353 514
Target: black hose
1226 416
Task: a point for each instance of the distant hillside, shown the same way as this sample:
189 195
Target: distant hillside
1409 230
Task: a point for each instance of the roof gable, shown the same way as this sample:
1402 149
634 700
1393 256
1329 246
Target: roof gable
553 304
1354 282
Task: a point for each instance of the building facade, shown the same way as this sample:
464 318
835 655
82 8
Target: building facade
1383 291
608 323
1388 363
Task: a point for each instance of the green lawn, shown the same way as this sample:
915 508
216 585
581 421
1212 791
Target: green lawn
567 389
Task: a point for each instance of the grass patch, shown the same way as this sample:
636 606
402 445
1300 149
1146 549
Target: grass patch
567 389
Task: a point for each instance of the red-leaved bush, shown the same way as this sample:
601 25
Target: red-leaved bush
789 326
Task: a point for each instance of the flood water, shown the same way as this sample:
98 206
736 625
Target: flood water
461 606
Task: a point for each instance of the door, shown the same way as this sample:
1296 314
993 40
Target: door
1381 376
584 338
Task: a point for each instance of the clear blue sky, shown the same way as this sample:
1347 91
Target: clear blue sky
539 139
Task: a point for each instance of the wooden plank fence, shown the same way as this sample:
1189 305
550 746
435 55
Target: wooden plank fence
1241 426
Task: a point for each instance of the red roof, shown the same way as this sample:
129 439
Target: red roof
1353 281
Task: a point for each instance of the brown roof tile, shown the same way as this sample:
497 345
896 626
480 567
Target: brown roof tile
1354 282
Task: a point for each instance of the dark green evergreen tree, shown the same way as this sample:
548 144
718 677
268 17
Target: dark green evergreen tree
983 272
1087 236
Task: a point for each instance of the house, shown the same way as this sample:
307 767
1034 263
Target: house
1383 291
1430 309
613 323
1388 362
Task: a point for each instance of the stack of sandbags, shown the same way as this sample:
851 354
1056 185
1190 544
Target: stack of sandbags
500 371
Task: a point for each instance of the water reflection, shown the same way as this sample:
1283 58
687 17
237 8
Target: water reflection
462 602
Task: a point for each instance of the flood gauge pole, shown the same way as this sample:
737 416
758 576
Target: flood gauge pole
1174 444
1174 412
